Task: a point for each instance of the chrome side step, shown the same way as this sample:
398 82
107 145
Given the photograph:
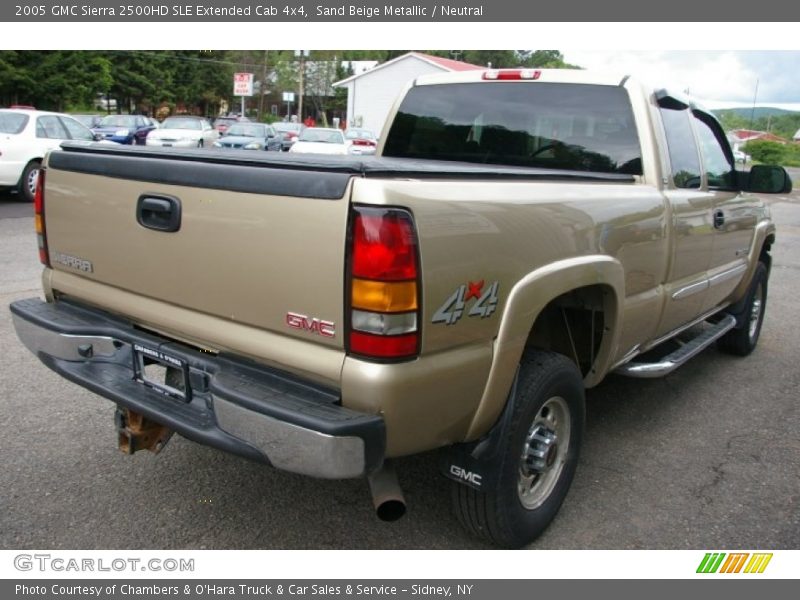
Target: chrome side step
680 356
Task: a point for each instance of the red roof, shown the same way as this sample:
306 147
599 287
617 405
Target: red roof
745 135
448 63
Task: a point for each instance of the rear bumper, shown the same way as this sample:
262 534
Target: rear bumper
231 404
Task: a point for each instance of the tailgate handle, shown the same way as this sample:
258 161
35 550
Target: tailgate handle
162 213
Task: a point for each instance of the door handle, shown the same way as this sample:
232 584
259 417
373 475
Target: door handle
719 219
161 213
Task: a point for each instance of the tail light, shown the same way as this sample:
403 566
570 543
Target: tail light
38 210
384 282
364 143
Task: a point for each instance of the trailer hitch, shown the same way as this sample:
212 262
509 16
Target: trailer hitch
136 432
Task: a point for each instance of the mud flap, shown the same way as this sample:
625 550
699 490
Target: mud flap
471 463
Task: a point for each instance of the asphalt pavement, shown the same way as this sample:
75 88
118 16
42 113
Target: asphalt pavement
706 458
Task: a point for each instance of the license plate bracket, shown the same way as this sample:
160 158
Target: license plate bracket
162 372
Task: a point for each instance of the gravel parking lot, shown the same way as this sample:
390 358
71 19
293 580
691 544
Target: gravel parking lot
707 458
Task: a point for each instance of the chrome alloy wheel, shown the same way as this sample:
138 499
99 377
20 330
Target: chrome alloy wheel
544 453
755 311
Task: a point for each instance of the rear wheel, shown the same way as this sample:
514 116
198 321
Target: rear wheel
29 180
742 340
538 455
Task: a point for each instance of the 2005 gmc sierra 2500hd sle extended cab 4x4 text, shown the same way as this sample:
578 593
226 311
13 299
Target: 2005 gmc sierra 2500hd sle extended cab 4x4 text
520 235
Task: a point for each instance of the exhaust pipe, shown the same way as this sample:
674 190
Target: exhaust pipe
387 497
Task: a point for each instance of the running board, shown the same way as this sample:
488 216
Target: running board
680 356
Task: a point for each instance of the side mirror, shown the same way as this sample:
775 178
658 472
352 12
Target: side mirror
97 137
767 179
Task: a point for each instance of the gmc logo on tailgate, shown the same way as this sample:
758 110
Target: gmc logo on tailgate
311 324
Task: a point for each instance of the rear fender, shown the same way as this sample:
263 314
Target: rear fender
525 302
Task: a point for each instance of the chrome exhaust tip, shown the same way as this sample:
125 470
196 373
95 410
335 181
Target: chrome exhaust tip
387 497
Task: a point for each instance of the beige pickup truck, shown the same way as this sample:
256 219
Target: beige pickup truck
520 235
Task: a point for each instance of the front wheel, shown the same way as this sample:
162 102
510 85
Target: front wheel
742 340
537 457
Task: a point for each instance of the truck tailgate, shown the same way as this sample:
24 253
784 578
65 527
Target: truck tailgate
253 242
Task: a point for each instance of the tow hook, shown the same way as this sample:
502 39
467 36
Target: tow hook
136 432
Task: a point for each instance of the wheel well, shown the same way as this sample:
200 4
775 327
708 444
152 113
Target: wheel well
573 324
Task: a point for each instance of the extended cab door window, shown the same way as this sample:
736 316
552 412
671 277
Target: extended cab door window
717 163
683 156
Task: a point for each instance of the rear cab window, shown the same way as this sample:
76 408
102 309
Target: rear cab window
575 127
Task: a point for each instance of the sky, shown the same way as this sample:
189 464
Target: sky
722 79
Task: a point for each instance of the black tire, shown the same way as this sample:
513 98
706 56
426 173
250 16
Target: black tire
499 514
28 181
742 340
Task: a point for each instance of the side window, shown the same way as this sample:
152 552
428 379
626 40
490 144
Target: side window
49 126
720 171
76 130
682 148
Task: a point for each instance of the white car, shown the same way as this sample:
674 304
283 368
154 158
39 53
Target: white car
361 141
25 137
183 132
741 157
320 140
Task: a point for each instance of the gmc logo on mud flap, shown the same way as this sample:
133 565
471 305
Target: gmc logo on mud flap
311 324
464 475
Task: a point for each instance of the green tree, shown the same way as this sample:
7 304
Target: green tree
544 59
771 153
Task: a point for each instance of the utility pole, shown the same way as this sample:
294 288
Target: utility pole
263 88
302 55
753 112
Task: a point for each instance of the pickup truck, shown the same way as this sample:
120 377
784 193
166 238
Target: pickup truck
519 235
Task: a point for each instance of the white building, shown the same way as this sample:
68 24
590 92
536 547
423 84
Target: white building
371 94
796 137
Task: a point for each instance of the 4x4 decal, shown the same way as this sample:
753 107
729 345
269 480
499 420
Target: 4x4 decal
453 308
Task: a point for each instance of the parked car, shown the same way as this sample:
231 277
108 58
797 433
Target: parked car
361 141
250 136
154 122
124 129
90 120
741 157
103 102
221 124
320 140
289 133
183 132
25 137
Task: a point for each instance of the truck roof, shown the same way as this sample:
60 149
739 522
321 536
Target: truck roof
548 75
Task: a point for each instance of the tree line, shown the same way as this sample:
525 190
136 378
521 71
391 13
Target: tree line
200 80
